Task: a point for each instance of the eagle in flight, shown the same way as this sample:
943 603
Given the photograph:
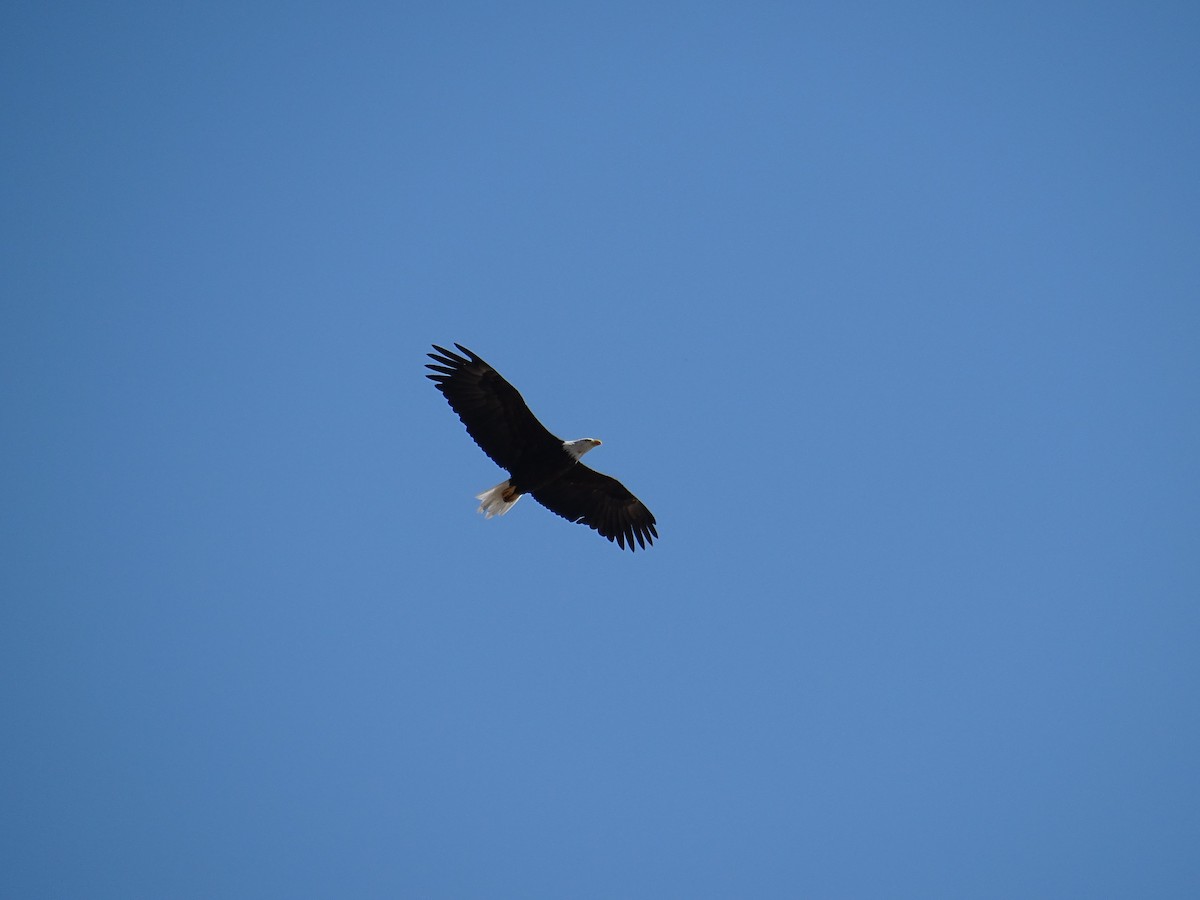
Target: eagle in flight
538 462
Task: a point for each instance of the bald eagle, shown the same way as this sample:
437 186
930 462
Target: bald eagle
538 463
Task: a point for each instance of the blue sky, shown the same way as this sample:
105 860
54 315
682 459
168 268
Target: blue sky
889 312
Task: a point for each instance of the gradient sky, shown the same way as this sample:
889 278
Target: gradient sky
889 312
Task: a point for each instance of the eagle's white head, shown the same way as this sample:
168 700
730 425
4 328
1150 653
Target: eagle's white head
580 447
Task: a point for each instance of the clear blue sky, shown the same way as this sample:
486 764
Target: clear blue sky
890 313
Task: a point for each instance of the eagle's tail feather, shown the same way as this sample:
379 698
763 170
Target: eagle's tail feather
498 500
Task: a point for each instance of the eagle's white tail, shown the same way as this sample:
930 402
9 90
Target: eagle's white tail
498 500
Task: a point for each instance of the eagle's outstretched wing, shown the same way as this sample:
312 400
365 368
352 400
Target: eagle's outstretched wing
495 415
600 502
